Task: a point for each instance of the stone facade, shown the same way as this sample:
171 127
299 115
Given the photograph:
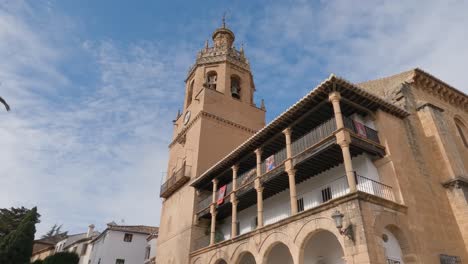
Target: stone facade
420 156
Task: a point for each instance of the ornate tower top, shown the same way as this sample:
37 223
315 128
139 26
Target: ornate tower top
221 51
223 37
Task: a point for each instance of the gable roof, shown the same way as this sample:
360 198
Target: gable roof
320 92
431 84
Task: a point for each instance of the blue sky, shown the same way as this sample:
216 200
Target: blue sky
94 85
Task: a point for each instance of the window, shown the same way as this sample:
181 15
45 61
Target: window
120 261
462 131
147 252
235 86
128 237
83 249
300 204
190 93
99 261
237 228
326 194
211 79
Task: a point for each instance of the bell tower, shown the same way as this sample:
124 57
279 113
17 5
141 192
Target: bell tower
218 114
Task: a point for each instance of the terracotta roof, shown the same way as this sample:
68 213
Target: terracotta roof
292 112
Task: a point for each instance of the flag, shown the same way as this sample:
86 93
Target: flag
221 193
270 163
360 129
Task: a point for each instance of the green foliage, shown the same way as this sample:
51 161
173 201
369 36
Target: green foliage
39 261
11 218
62 258
16 246
54 231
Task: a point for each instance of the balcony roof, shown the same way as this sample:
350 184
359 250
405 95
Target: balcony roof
348 90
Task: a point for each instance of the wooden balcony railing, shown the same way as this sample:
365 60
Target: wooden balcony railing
204 203
175 181
314 136
367 132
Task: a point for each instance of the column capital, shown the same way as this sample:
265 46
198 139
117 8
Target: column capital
287 131
235 168
259 188
334 96
258 152
234 201
343 144
291 172
215 181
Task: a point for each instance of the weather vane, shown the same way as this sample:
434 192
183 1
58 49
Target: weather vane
224 19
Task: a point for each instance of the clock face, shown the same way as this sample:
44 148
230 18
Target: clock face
187 117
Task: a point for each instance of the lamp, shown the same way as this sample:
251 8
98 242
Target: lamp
348 231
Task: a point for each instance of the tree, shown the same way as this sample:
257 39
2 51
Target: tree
16 247
54 231
11 218
5 104
62 258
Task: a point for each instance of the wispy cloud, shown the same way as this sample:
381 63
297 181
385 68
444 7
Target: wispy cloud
84 153
87 138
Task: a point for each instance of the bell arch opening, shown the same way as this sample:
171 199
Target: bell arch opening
278 254
235 86
322 247
211 80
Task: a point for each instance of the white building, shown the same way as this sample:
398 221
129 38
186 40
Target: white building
79 244
150 253
119 244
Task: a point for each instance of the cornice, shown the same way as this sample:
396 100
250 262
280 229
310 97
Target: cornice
181 136
440 89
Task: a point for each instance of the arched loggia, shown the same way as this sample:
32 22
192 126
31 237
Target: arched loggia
322 248
246 258
278 254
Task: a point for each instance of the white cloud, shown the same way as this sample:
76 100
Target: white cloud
84 154
362 41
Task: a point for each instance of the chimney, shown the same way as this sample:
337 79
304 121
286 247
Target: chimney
90 230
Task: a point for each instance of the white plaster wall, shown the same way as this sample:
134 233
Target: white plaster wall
277 207
392 247
153 245
112 247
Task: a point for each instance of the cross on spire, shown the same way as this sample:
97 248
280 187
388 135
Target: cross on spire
224 19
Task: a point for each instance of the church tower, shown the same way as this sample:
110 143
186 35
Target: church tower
219 114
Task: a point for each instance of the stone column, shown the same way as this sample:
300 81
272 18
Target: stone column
234 216
348 164
213 213
343 139
234 202
291 172
259 188
334 98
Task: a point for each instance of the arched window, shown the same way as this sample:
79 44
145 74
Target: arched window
211 78
235 86
462 131
190 93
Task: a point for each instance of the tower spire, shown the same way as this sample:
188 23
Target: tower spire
224 19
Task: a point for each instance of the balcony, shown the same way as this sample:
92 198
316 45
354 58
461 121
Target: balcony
312 198
313 153
175 181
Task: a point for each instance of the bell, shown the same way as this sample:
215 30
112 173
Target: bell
235 93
